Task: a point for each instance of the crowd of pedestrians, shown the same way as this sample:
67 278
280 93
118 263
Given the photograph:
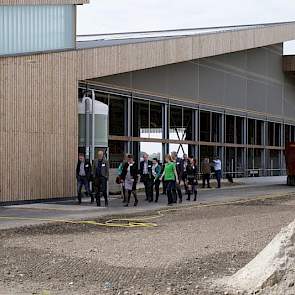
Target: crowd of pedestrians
174 174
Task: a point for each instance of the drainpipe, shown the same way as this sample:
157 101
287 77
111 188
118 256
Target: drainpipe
87 125
93 127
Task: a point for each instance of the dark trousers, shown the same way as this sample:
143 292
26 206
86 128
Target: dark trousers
169 188
157 189
192 190
206 177
177 192
184 179
218 177
164 187
148 187
101 189
134 195
82 181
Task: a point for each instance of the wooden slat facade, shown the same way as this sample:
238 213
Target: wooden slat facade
38 126
110 60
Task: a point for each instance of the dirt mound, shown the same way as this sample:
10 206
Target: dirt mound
272 271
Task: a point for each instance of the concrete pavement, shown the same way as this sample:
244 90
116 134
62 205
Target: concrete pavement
39 213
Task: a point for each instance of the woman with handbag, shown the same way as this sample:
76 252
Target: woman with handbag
129 177
192 178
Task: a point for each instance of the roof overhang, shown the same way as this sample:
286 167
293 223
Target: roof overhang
115 59
42 2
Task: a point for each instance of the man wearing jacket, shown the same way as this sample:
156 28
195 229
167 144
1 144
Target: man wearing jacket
101 176
83 175
146 177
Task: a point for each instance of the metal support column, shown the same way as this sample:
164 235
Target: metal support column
223 156
129 123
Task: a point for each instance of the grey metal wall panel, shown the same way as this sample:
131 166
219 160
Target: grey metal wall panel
274 66
182 80
211 83
249 81
274 100
256 96
235 59
123 80
235 91
152 80
289 101
257 61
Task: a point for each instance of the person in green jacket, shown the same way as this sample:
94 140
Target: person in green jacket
170 177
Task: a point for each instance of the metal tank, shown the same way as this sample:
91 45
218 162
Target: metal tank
87 134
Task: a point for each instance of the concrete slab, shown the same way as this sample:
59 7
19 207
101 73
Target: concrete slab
32 214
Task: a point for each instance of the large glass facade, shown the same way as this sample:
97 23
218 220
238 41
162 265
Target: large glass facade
246 146
36 28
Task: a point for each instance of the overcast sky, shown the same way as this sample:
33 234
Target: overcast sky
113 16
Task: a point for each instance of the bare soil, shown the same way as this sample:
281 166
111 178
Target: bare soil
188 250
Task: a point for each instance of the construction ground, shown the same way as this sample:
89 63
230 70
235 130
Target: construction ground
63 248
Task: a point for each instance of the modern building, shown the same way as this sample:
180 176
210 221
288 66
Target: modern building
227 91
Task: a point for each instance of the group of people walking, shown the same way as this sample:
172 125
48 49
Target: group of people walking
174 173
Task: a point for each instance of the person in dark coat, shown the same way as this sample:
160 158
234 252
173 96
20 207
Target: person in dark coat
129 176
83 175
192 179
146 177
101 176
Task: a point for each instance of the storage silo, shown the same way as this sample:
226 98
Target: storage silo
101 112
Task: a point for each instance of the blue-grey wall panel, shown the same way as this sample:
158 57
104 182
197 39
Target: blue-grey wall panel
274 101
257 61
182 80
256 96
151 80
235 91
212 86
248 80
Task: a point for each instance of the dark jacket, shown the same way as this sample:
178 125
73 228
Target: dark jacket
87 168
192 171
179 167
133 171
141 166
105 168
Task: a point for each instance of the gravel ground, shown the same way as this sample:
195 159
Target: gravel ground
185 254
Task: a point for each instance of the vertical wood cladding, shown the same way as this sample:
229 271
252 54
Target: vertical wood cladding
38 132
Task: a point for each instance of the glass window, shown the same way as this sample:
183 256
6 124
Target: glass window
153 149
251 131
116 153
287 133
277 134
216 127
156 120
270 133
230 129
240 130
188 120
117 114
33 28
204 126
259 132
141 118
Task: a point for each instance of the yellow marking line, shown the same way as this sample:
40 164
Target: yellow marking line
141 221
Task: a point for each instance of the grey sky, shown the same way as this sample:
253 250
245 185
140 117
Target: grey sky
105 16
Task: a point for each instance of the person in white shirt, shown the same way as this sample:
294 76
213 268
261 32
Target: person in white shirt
217 170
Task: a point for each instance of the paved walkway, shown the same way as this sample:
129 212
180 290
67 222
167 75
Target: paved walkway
245 188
